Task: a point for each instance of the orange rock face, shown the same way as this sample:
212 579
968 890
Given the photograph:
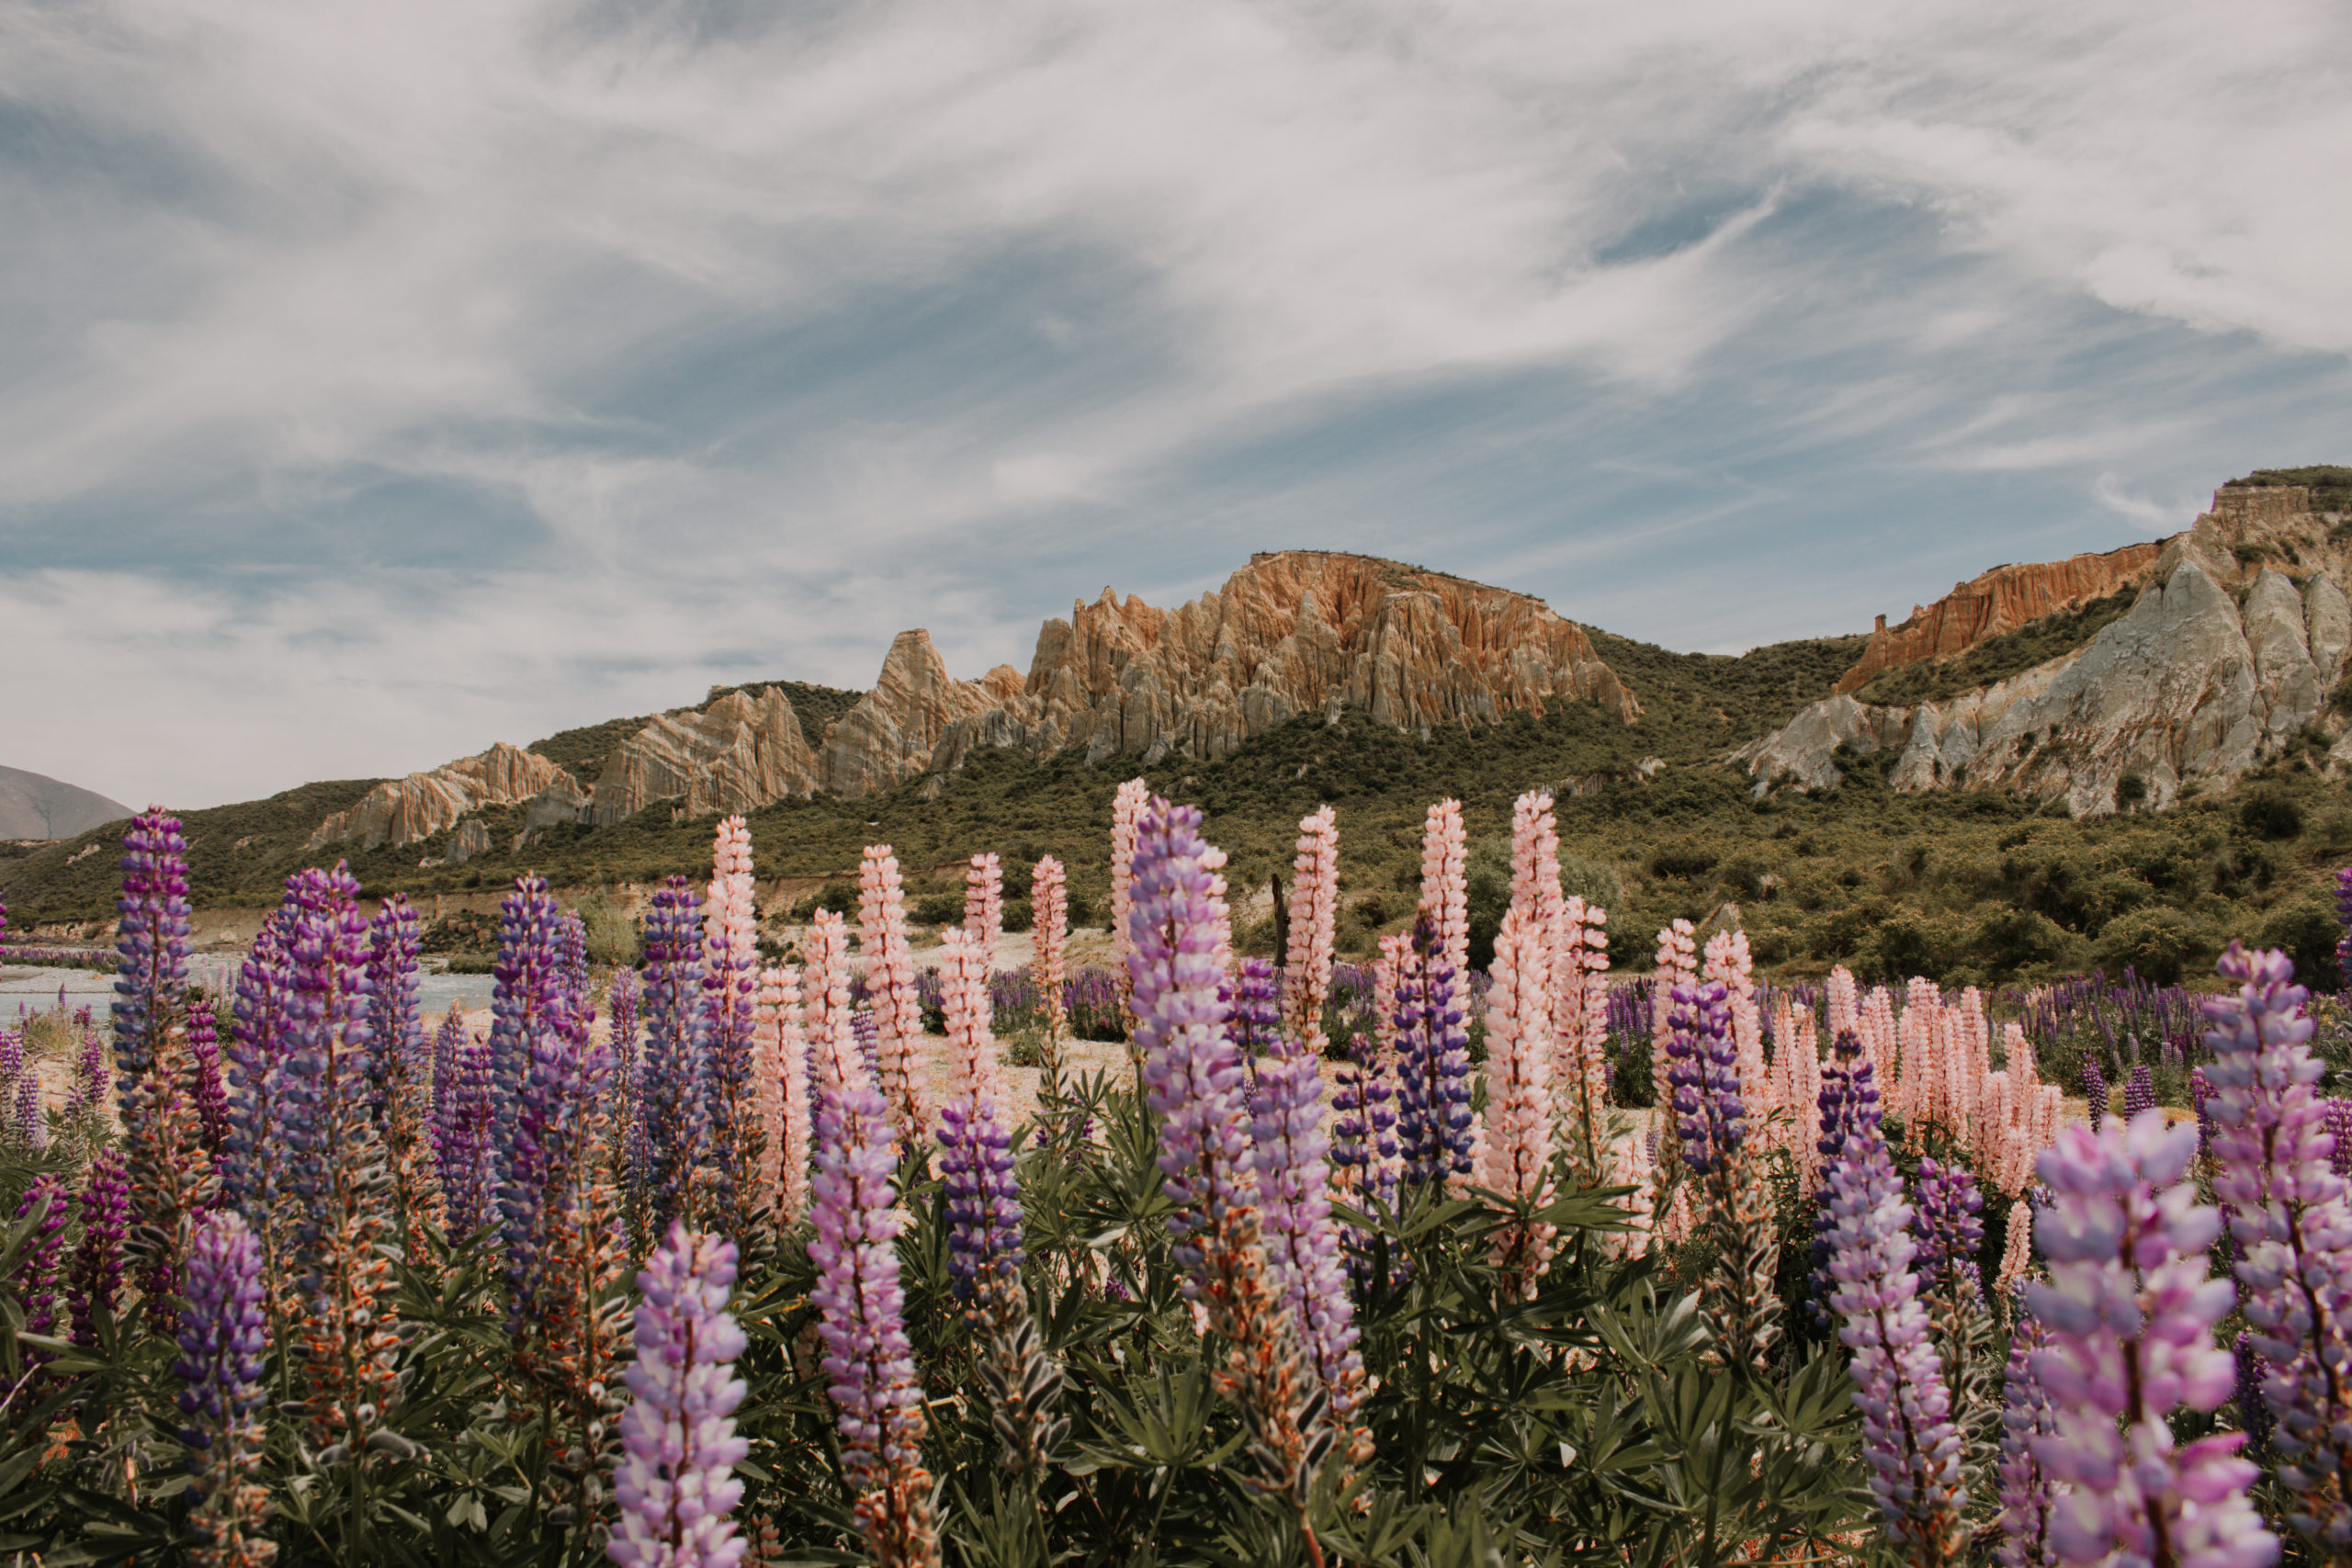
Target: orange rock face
1293 632
738 754
401 811
1998 601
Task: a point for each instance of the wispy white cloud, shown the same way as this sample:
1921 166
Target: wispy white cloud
519 363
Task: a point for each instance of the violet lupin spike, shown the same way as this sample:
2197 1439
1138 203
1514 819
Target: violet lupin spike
1191 1075
2130 1313
2026 1420
673 1103
861 1317
350 1343
400 1067
675 1481
527 999
94 1281
730 981
1433 1088
1908 1439
1742 1309
2290 1215
223 1334
171 1174
1302 1242
208 1089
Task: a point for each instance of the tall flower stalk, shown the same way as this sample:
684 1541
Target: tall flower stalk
984 905
94 1280
785 1109
891 983
2027 1421
1314 922
1742 1307
675 1481
396 1022
730 1000
349 1343
223 1336
862 1319
1908 1438
1049 919
2290 1214
171 1171
1193 1079
1126 821
673 1105
1433 1116
2130 1313
1516 1160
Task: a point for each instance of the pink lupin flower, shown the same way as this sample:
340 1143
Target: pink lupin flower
2016 1250
730 1006
1444 884
1049 919
984 905
891 983
972 1068
784 1109
1844 1015
824 997
1580 1028
1677 966
1726 960
1516 1160
1126 814
1313 922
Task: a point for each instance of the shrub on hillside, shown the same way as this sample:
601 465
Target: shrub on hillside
2158 943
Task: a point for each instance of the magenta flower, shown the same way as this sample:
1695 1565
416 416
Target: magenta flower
95 1278
2130 1314
1433 1088
223 1334
209 1089
1710 1116
2290 1214
676 1483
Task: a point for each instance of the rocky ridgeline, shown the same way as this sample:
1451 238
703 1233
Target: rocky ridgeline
2234 645
1297 631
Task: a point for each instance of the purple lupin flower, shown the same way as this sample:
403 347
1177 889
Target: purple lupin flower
1433 1087
2290 1217
2340 1127
1950 1229
207 1087
29 1126
223 1334
1710 1117
983 1195
251 1175
171 1174
1257 1012
2138 1092
95 1278
1192 1075
861 1319
571 962
2094 1092
2026 1419
620 1009
552 1147
673 1104
1908 1432
676 1483
1191 1072
39 1267
462 1131
528 1004
2130 1314
1303 1248
395 1018
2201 1089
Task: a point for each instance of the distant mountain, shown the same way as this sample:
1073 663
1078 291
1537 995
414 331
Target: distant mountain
34 805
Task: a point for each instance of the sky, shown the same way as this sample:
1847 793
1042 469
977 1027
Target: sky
378 382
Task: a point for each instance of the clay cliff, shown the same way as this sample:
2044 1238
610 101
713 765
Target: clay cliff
1999 601
1299 631
2233 646
402 811
1296 631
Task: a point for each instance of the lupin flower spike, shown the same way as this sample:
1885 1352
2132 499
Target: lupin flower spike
1444 884
2026 1420
1192 1077
674 1108
2290 1215
1433 1116
1049 919
95 1278
1314 922
862 1319
676 1483
171 1172
890 982
2130 1314
1127 817
976 1145
730 1002
984 905
1517 1158
223 1336
1907 1434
